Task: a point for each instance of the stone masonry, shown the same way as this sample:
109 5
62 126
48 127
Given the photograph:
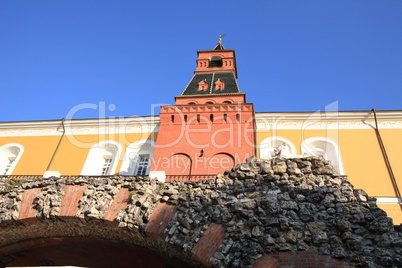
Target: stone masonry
263 213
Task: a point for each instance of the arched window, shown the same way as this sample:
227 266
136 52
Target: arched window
211 117
137 158
198 118
225 117
325 148
185 118
209 102
10 154
215 61
102 159
172 118
277 146
227 102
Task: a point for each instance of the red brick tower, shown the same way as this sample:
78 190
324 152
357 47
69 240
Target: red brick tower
210 128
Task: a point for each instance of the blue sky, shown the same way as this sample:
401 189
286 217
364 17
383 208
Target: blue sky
130 56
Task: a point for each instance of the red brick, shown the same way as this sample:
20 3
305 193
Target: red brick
266 262
27 211
69 204
208 243
161 216
120 202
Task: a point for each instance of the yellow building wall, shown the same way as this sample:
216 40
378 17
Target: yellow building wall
392 139
73 151
393 211
362 158
38 151
361 155
71 154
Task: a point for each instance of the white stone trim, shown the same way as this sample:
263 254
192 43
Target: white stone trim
265 150
336 157
388 200
95 160
81 127
328 120
159 175
395 115
4 161
142 147
287 125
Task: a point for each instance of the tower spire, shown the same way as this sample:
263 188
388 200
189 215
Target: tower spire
219 46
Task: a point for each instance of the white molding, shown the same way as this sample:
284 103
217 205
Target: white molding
159 175
337 162
265 150
388 200
330 116
328 120
51 173
93 166
148 124
81 127
136 148
17 159
292 125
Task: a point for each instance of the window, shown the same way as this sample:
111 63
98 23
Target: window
276 146
325 148
203 85
137 158
106 166
142 165
11 160
219 85
102 159
9 157
215 61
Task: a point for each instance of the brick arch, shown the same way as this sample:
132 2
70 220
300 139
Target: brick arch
25 230
228 100
180 164
220 162
209 101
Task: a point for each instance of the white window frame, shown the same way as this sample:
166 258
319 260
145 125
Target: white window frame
131 157
143 165
268 145
325 147
97 157
10 152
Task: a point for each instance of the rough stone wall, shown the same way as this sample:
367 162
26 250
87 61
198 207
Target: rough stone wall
264 213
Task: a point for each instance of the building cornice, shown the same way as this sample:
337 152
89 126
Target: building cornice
328 120
141 124
209 95
330 116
